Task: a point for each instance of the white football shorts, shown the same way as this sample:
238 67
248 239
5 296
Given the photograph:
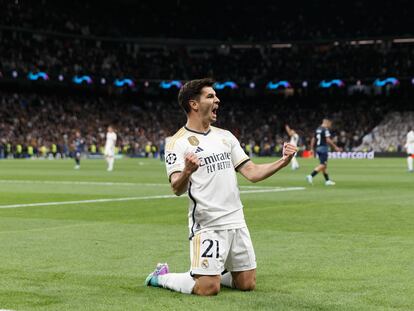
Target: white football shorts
212 252
109 152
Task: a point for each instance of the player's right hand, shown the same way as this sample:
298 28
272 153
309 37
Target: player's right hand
191 162
289 150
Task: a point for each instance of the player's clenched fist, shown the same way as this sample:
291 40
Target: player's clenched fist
289 150
191 162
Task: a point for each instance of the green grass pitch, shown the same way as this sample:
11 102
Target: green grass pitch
347 247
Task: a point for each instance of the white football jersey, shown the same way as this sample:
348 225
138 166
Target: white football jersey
410 142
110 141
294 139
214 199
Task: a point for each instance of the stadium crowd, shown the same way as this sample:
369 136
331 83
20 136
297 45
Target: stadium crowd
36 125
48 123
64 42
229 20
390 133
32 52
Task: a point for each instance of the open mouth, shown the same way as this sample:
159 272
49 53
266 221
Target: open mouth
214 111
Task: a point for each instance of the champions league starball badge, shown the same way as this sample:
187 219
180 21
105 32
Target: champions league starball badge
171 158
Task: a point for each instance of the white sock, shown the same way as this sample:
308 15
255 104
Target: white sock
110 163
410 163
179 282
295 164
227 280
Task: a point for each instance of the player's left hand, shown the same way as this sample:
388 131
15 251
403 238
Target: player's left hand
289 150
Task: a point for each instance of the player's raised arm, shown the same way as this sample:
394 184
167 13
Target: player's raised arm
257 172
180 180
288 130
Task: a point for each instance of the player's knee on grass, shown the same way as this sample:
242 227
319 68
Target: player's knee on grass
207 285
245 281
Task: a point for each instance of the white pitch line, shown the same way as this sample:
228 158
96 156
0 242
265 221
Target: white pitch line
278 189
258 187
95 183
100 183
63 182
167 196
89 201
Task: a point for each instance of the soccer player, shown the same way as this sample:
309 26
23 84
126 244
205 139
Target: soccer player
109 152
79 144
203 160
322 138
410 149
294 140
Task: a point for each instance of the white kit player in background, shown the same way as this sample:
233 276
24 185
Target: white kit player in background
110 148
203 160
410 149
294 140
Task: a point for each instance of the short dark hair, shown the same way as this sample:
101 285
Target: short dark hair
192 90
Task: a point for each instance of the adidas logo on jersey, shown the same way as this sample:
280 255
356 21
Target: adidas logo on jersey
199 149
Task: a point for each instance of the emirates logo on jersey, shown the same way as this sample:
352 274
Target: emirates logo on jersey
216 162
171 158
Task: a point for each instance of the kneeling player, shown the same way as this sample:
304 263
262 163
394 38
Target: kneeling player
203 160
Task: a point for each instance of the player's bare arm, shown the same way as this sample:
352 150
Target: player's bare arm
332 144
179 180
257 172
312 144
289 130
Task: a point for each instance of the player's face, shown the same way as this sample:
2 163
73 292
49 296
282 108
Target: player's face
208 104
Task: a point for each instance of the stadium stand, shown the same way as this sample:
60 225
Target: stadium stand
43 120
26 52
69 42
277 21
390 134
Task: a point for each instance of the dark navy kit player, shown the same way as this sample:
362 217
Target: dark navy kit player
322 140
79 147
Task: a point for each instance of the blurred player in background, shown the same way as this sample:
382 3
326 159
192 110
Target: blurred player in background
322 139
203 160
294 140
79 144
110 148
410 149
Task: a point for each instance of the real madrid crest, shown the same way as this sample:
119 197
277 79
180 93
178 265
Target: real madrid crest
193 140
204 264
